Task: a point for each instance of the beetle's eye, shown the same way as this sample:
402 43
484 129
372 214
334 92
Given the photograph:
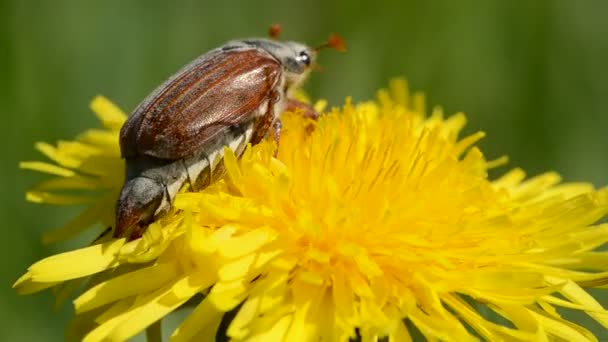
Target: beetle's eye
304 58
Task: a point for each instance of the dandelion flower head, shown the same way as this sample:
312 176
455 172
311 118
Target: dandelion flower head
378 221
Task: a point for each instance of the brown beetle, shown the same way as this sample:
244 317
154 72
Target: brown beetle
230 96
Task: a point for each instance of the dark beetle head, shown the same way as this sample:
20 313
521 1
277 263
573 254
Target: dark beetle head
296 58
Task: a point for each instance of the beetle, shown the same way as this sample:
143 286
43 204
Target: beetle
230 96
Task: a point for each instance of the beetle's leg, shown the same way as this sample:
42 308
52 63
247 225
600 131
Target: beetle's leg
168 198
302 108
261 128
209 170
305 110
189 179
102 237
263 125
276 129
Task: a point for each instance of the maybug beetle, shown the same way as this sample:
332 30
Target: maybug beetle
230 96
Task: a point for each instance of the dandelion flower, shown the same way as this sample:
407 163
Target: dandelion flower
379 221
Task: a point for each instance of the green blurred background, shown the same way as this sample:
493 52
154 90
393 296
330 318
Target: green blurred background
533 75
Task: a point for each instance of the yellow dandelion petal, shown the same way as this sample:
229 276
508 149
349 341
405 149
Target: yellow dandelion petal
110 115
76 182
51 198
483 327
61 267
246 265
246 243
25 285
200 325
274 332
47 168
559 329
126 285
577 295
155 306
57 155
103 141
227 295
303 326
373 219
320 106
104 324
110 316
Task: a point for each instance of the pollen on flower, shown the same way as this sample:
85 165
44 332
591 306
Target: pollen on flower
380 218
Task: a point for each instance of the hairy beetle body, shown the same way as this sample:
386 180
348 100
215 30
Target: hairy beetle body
230 96
152 184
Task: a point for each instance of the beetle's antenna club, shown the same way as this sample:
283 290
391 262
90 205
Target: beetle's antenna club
274 31
335 42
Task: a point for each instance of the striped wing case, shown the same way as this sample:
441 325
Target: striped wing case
218 90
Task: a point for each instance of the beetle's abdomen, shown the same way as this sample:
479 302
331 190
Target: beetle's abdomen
153 183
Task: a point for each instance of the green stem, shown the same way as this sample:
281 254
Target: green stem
154 332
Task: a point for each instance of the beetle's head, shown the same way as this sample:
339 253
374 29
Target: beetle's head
297 59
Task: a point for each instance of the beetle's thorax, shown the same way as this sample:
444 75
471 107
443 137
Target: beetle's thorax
295 58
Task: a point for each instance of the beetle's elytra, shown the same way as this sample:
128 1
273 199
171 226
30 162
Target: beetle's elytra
230 96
